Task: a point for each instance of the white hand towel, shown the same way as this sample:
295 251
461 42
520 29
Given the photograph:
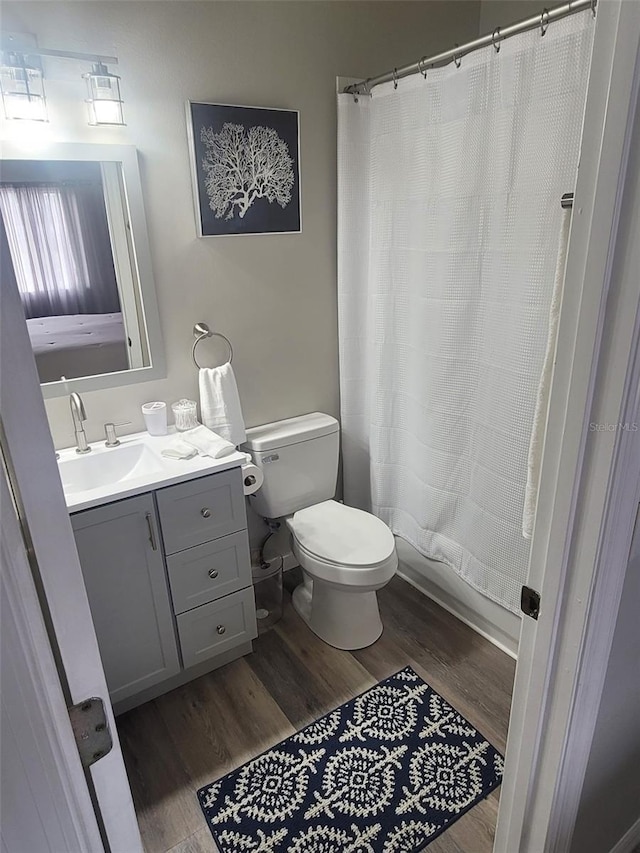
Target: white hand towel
207 443
220 403
179 449
536 443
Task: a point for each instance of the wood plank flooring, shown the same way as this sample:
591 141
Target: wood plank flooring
178 743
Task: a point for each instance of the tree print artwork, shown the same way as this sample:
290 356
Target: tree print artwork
241 167
245 163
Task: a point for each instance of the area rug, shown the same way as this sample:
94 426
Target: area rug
386 772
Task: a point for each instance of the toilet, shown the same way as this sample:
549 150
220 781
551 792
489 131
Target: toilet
346 554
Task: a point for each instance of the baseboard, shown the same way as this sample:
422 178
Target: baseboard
629 840
494 623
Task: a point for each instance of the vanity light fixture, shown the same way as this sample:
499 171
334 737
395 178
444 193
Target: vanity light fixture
104 100
21 81
22 84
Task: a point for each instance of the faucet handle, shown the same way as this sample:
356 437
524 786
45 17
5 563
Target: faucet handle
110 433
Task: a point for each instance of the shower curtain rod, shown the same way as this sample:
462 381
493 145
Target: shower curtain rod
542 20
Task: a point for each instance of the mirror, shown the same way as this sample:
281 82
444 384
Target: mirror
73 238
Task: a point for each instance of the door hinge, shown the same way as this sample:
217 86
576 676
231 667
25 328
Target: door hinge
530 602
91 730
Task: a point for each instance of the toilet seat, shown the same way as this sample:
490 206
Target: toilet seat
343 545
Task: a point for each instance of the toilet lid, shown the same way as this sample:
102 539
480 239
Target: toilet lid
344 535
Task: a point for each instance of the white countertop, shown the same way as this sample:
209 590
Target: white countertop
133 467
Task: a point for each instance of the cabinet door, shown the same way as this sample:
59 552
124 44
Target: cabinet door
123 568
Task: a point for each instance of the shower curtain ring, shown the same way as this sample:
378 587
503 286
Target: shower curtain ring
593 7
420 61
544 27
496 34
395 78
457 59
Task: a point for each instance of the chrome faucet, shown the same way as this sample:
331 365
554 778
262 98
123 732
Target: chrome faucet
79 416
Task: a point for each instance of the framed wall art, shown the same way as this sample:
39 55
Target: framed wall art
245 163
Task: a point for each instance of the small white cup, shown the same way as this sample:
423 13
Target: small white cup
155 417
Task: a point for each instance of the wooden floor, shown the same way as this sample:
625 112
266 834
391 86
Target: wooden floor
195 734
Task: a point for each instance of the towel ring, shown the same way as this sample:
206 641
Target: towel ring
201 331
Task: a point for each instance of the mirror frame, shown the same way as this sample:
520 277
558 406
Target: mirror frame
127 156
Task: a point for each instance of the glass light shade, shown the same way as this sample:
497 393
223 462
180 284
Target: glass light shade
22 90
104 101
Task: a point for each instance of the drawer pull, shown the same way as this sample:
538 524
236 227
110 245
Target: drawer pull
152 536
213 573
221 629
205 512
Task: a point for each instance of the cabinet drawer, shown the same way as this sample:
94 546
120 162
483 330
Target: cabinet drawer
200 510
216 627
209 571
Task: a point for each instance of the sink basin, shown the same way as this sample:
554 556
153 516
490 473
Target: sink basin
135 466
97 470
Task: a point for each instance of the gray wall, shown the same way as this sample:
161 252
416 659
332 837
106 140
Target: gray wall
273 296
610 802
499 13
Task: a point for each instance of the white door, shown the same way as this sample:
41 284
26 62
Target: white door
28 450
45 800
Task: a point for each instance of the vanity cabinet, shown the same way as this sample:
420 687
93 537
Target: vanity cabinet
168 577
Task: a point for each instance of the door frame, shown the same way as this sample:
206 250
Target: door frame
595 356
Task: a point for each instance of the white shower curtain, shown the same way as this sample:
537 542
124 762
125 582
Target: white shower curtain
448 219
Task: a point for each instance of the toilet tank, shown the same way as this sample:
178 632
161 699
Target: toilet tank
299 460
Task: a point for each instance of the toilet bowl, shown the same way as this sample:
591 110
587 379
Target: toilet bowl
346 554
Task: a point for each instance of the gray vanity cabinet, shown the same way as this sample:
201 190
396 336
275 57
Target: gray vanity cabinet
168 575
124 574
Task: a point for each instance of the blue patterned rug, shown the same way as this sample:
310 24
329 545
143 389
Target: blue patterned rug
384 773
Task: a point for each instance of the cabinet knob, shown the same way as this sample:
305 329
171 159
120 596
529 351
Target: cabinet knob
221 629
213 573
205 512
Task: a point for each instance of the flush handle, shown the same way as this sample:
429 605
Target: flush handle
213 573
221 629
205 512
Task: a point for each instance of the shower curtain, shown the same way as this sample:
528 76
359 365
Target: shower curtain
448 219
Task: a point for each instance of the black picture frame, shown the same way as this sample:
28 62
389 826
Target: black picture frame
245 164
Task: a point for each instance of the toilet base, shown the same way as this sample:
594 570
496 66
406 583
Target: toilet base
346 618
